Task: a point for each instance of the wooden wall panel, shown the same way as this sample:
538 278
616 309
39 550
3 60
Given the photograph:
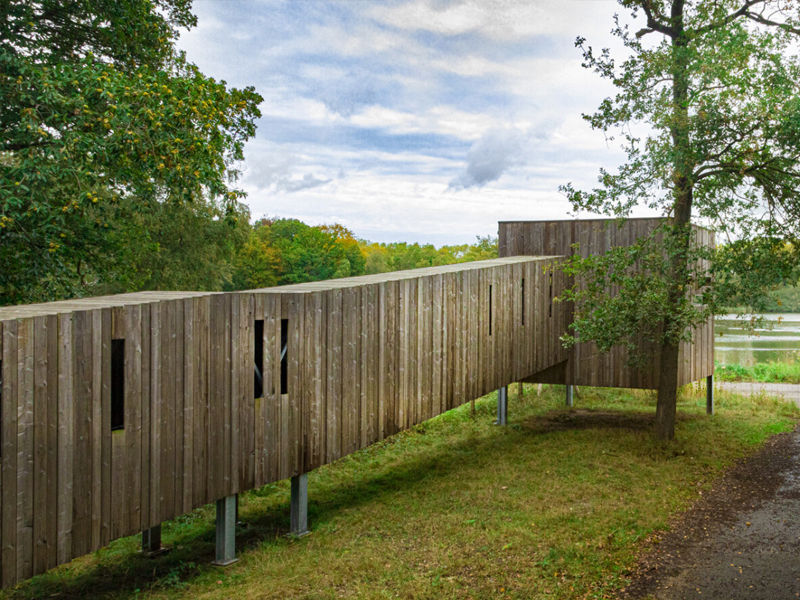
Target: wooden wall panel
587 365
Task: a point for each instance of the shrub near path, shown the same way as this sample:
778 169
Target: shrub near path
556 505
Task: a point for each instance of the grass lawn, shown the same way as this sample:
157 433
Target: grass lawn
773 372
555 505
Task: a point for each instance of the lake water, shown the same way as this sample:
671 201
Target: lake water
775 343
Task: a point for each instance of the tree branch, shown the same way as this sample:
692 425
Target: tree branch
744 11
759 19
653 24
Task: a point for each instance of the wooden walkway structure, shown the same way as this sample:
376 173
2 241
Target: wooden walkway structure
118 413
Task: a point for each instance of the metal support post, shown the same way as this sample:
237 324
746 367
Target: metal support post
226 532
299 502
569 395
502 406
710 395
151 542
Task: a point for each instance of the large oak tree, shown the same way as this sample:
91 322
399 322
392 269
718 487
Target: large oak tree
708 111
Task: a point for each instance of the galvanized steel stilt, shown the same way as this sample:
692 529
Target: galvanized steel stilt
226 532
569 396
502 406
299 502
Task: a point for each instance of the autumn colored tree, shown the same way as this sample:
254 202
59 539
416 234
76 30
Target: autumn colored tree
708 111
285 251
106 129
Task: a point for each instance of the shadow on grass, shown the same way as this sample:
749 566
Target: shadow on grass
582 418
120 573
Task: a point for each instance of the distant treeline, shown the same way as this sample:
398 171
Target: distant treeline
785 299
285 251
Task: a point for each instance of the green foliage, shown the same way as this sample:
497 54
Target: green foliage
771 372
285 251
106 131
382 258
709 116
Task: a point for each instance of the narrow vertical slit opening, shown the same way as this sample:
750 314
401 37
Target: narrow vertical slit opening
284 357
258 374
117 385
550 309
523 302
490 310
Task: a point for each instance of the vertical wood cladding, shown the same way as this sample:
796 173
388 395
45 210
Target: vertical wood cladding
360 359
587 366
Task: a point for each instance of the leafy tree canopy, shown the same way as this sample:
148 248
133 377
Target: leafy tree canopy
285 251
105 129
708 112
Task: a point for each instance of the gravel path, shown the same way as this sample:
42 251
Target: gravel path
740 541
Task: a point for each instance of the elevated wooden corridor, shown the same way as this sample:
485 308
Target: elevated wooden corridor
118 413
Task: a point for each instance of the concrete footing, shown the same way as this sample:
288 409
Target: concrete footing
226 532
502 406
299 506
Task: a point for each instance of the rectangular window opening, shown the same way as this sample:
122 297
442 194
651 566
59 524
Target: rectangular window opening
490 310
258 375
284 357
523 302
550 310
117 385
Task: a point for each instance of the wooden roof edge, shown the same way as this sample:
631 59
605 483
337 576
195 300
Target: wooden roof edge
25 311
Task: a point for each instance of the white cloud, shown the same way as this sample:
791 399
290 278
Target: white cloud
491 156
373 110
496 19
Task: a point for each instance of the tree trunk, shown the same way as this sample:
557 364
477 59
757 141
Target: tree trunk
680 232
666 406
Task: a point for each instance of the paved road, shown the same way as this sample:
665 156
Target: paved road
741 541
790 391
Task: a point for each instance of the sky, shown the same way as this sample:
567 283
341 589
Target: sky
412 120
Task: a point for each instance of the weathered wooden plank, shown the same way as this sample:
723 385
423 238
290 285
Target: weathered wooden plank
9 455
168 409
25 448
438 326
42 384
373 361
216 412
103 448
235 390
333 419
202 403
365 327
351 381
403 351
133 416
390 360
50 529
157 324
178 435
247 415
189 365
227 416
295 309
145 516
82 434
